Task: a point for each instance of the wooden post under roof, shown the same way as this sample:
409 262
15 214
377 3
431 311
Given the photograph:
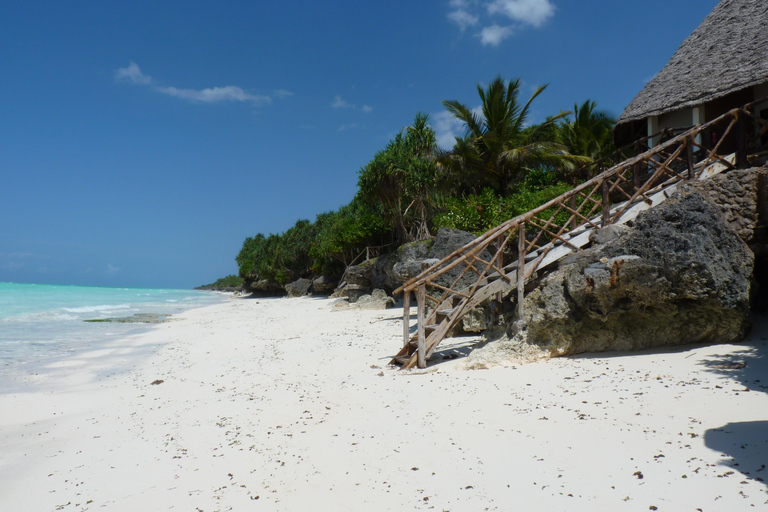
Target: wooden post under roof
741 141
689 154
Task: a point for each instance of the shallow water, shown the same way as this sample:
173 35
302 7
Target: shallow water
39 322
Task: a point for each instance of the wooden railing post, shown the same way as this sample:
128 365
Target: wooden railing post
406 317
500 260
520 269
689 153
572 205
741 140
606 202
421 297
636 170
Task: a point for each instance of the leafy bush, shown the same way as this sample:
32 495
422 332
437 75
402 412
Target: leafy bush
478 213
229 282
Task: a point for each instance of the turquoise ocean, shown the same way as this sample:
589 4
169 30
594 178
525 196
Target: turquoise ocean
42 322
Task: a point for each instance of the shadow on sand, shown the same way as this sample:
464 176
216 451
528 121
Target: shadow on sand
746 443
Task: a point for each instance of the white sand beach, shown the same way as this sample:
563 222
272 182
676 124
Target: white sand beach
286 405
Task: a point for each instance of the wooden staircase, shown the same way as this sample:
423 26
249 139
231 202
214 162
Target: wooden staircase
563 225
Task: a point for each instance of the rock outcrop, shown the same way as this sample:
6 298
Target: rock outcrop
391 271
679 275
298 288
323 285
264 287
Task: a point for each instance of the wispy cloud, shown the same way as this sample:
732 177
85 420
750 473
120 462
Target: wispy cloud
448 128
494 17
345 127
463 19
228 93
111 269
133 74
340 103
367 109
529 12
494 35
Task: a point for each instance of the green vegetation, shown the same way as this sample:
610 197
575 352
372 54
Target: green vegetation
225 283
500 168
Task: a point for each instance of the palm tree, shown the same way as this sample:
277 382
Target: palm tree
590 133
499 147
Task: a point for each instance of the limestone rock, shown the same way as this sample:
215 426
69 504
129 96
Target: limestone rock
360 274
679 275
324 285
381 272
476 320
265 287
736 194
298 288
378 299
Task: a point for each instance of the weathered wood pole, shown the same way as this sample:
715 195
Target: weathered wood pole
406 317
421 297
606 203
572 205
636 170
500 261
520 269
741 140
689 154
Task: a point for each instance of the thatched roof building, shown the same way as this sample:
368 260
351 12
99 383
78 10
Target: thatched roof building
723 64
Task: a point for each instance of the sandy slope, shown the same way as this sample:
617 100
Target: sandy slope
284 404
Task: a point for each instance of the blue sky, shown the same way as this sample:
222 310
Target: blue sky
142 142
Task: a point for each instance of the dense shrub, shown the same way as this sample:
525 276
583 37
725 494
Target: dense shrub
478 213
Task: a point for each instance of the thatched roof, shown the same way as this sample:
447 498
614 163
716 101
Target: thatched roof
727 53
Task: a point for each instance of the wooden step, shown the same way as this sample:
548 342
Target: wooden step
402 359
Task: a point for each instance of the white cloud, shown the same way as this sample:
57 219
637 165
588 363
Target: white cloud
111 269
340 103
367 109
530 12
494 35
463 19
495 16
448 128
228 93
133 74
347 127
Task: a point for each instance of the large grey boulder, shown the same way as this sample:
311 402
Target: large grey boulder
360 275
324 285
737 194
378 299
298 288
679 275
265 287
446 242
